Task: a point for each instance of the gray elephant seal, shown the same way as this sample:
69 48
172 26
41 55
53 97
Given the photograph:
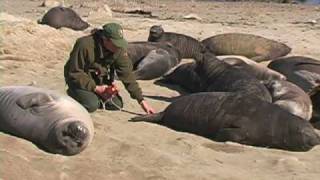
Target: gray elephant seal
218 76
188 46
152 60
300 70
157 63
290 97
238 118
251 46
55 123
58 17
258 70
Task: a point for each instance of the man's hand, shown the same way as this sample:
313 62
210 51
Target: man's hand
106 92
148 109
100 89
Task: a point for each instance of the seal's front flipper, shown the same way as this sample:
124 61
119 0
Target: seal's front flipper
230 134
154 118
34 100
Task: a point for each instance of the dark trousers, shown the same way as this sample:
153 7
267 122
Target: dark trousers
92 102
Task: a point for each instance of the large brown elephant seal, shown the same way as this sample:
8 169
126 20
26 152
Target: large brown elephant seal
252 46
290 97
300 70
238 118
152 60
188 46
58 17
55 123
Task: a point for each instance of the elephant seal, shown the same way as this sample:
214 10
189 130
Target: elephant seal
155 64
290 97
315 120
188 46
237 118
218 76
251 46
258 70
152 60
186 77
55 123
300 70
58 17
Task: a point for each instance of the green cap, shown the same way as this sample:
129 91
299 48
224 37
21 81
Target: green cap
115 32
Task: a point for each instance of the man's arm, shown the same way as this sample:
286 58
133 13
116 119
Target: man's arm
124 69
74 69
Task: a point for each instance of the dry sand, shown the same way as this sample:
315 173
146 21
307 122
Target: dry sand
33 53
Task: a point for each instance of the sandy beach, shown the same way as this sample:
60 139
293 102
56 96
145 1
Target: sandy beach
31 53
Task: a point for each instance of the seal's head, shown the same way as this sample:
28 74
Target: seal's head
69 138
156 32
302 136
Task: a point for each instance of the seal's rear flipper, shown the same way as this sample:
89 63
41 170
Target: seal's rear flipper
154 118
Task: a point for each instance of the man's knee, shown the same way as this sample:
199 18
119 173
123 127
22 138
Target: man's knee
87 99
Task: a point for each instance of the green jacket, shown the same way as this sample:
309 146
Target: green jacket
89 65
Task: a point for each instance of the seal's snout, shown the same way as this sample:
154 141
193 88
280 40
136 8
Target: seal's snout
77 133
71 137
310 137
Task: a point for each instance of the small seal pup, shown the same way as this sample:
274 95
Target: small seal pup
188 46
251 46
290 97
58 17
55 123
234 117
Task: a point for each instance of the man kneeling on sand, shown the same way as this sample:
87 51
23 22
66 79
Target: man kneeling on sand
89 72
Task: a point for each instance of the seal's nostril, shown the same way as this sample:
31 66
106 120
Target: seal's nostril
77 131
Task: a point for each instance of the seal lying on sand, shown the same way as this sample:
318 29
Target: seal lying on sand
152 60
254 47
58 17
187 46
300 70
258 70
55 123
218 76
238 118
315 120
187 78
290 97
